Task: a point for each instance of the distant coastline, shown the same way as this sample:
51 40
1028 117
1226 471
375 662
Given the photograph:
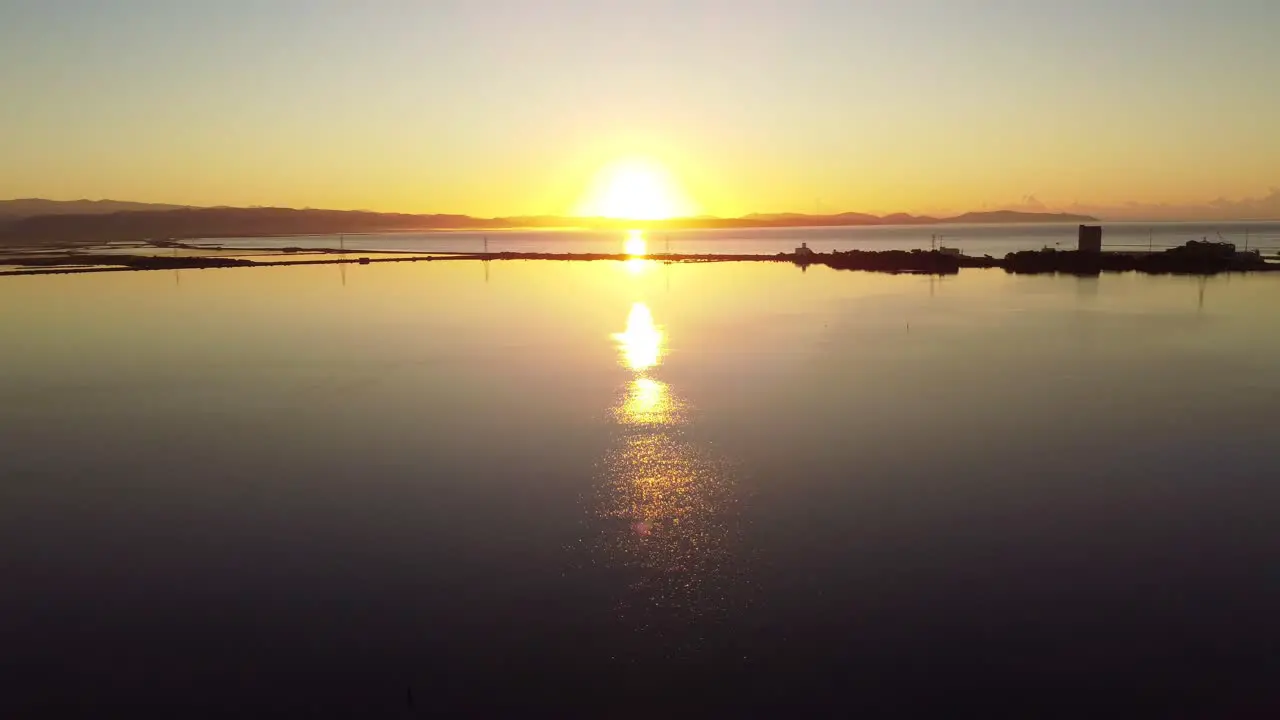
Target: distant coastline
43 222
1193 258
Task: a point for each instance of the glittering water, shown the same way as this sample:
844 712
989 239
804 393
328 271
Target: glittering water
624 488
669 505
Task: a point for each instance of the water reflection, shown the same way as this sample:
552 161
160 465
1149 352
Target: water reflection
637 248
635 245
665 503
641 342
649 402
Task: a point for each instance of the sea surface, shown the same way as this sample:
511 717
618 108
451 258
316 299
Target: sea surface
994 240
629 489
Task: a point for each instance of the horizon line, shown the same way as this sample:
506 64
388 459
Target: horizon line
1082 214
780 215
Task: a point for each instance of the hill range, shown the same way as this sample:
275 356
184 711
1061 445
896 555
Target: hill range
36 221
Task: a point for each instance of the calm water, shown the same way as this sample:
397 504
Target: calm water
995 240
617 489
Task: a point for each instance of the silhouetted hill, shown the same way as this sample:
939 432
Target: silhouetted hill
854 218
906 219
222 222
187 223
28 207
786 219
1013 216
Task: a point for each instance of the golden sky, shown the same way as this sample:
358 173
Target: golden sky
499 108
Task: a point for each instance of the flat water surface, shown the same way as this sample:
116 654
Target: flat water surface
616 488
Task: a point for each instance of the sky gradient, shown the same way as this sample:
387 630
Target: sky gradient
511 107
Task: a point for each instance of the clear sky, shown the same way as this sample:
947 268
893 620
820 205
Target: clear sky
506 107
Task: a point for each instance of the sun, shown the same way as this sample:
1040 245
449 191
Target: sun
634 190
635 245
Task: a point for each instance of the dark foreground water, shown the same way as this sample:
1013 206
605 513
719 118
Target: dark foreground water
630 490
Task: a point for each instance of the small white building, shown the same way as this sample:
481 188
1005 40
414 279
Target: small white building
804 250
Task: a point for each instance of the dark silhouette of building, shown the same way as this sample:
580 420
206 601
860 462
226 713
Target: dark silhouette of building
1090 238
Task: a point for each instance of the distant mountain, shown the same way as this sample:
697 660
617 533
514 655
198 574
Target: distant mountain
905 219
1013 216
766 216
104 223
855 218
28 207
187 223
789 218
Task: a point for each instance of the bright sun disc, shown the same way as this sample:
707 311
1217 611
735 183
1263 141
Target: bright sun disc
634 190
635 246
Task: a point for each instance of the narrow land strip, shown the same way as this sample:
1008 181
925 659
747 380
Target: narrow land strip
1194 258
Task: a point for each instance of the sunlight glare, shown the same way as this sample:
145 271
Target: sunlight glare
635 246
634 190
641 343
648 402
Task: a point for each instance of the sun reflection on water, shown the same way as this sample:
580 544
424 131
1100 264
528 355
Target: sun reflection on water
636 248
635 245
649 402
666 504
642 342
